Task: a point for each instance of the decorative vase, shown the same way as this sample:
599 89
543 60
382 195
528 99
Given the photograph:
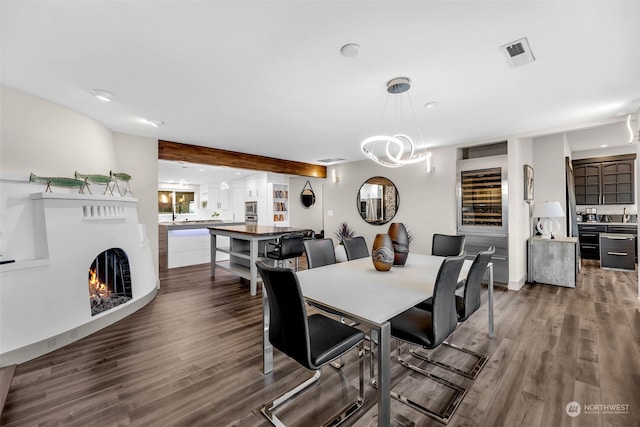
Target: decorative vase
400 241
341 254
382 252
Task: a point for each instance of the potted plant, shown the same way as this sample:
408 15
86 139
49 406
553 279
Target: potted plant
342 232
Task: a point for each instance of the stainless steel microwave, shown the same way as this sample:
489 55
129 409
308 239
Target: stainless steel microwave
251 208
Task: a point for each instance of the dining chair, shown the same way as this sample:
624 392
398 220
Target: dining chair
447 245
312 341
356 248
320 252
286 247
429 329
466 304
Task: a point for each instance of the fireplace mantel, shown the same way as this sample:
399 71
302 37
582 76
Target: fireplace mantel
44 303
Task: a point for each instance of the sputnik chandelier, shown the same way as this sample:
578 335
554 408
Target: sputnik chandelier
399 149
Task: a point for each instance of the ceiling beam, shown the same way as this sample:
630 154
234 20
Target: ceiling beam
175 151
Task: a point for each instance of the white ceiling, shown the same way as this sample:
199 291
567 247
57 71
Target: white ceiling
268 78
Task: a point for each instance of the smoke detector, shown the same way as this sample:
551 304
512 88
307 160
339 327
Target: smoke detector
518 53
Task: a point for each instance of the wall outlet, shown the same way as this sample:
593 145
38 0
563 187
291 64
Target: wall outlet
329 213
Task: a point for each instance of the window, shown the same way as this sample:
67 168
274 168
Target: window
180 202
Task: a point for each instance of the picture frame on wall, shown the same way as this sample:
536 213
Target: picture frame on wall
528 183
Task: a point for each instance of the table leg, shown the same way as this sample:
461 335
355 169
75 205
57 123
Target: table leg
253 270
384 375
213 255
491 334
267 348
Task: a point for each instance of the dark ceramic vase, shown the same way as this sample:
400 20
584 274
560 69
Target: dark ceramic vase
400 242
382 252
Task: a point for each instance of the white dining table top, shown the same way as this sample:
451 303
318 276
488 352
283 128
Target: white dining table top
358 290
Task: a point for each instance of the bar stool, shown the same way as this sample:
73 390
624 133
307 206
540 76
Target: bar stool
288 246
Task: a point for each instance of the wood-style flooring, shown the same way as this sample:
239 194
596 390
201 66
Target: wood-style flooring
192 357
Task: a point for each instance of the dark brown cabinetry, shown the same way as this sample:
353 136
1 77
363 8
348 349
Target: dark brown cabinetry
590 240
631 229
617 251
604 180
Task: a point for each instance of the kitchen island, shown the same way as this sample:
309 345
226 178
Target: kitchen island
183 243
246 243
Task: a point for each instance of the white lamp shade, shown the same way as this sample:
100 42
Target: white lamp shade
548 210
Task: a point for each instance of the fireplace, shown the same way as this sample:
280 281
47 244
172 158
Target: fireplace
65 236
109 281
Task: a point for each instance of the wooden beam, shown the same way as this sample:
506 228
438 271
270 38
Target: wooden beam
168 150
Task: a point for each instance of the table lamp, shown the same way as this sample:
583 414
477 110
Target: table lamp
546 213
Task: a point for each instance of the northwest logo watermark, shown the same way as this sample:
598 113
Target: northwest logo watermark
573 409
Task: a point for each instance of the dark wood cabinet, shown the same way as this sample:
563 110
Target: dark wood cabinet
590 240
604 180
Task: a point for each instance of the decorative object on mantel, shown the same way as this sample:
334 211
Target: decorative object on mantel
58 182
122 177
105 180
342 232
307 196
382 252
399 149
400 241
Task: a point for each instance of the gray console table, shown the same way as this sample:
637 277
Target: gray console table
553 261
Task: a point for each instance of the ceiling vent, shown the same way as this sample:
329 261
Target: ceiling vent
518 53
332 160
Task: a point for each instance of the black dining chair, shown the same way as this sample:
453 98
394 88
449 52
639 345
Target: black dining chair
320 252
312 341
447 245
466 304
286 247
429 329
356 248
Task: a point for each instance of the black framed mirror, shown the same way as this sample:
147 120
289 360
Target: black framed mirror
307 196
378 200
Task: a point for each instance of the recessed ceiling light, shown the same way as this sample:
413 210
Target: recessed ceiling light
432 104
154 123
350 50
603 146
102 95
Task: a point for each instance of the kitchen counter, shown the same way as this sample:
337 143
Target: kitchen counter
246 244
609 223
182 243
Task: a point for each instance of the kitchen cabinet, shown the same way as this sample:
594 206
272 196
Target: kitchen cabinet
589 235
553 261
604 180
617 251
631 229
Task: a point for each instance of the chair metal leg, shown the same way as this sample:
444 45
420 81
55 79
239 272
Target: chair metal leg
453 403
472 373
335 420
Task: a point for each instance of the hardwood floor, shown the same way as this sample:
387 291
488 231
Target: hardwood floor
192 357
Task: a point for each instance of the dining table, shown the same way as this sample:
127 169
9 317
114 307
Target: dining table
361 293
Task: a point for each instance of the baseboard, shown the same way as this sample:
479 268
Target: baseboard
516 285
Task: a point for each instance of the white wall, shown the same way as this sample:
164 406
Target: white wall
427 201
520 229
549 172
39 136
299 216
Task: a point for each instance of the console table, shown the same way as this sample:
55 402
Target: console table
553 261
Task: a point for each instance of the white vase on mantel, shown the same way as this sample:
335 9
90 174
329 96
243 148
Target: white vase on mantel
341 254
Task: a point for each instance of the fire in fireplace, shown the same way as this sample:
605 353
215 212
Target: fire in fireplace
109 281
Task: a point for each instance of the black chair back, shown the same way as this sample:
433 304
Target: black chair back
447 245
291 245
288 327
356 248
470 302
319 252
444 316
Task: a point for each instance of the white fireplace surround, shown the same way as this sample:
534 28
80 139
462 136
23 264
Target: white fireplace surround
45 300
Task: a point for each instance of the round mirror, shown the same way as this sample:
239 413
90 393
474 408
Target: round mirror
307 196
378 200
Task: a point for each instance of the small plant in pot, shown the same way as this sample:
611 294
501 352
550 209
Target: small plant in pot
342 232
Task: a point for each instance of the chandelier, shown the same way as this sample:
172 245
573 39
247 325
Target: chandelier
399 149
